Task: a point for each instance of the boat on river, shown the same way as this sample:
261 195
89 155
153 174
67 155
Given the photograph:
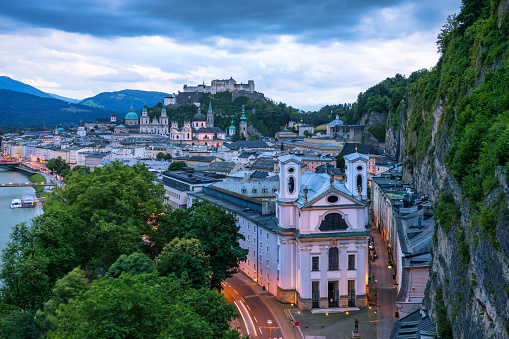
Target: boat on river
25 202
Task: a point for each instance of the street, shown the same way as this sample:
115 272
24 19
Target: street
384 289
256 320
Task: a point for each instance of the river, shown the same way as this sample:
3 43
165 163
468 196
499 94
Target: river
10 217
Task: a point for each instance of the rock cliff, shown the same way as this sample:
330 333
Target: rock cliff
448 142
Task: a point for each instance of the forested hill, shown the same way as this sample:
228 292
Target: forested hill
121 101
265 116
456 150
26 110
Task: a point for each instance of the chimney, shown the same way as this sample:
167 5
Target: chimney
419 222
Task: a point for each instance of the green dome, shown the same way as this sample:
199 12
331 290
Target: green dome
131 116
199 117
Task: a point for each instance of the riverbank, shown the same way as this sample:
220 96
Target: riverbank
13 216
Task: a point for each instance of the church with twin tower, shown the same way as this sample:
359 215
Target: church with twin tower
322 237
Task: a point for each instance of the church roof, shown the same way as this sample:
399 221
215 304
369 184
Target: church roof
208 130
335 122
317 184
199 116
210 107
131 115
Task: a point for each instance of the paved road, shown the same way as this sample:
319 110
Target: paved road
257 319
385 290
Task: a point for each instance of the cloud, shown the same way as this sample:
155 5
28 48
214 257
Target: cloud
198 20
306 54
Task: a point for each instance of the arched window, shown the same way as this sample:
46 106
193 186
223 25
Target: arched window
333 259
291 184
333 222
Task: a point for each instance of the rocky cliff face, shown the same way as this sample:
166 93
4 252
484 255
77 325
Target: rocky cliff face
373 120
473 292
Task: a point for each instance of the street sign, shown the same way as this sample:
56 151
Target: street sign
297 324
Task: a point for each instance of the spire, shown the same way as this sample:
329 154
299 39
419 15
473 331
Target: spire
243 117
210 106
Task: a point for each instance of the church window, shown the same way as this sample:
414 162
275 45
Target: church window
291 184
333 259
359 168
332 199
291 170
315 266
333 222
351 262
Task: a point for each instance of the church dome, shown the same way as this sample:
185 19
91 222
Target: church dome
131 115
199 116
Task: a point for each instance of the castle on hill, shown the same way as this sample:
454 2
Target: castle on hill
192 94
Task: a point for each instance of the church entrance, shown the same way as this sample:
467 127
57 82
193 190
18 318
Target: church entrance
351 293
315 294
333 294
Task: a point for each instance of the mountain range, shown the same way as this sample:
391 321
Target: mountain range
22 105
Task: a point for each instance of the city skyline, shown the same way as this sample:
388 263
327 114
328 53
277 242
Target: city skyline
306 55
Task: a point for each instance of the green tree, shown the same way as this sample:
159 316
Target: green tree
218 234
177 166
58 165
81 170
307 133
255 137
65 289
340 162
184 255
146 306
163 156
136 263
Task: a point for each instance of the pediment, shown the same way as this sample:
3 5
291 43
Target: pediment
333 198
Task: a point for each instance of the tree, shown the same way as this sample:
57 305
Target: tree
146 306
307 133
218 233
136 263
81 170
65 289
340 162
58 165
177 166
255 137
184 255
163 156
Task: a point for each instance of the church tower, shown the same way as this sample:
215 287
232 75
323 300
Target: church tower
231 130
57 141
81 130
243 124
210 115
356 174
113 118
164 121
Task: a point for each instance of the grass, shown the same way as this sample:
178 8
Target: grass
38 178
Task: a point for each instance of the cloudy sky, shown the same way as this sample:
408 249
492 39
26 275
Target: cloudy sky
301 52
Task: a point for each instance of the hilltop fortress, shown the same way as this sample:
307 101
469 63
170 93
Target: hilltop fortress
192 94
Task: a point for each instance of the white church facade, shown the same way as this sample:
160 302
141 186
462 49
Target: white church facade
314 253
322 240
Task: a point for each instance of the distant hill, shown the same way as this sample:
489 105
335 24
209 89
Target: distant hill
121 101
27 110
18 86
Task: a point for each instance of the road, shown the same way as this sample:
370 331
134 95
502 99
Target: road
385 290
256 320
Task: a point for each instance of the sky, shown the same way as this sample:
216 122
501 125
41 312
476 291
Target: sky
304 53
